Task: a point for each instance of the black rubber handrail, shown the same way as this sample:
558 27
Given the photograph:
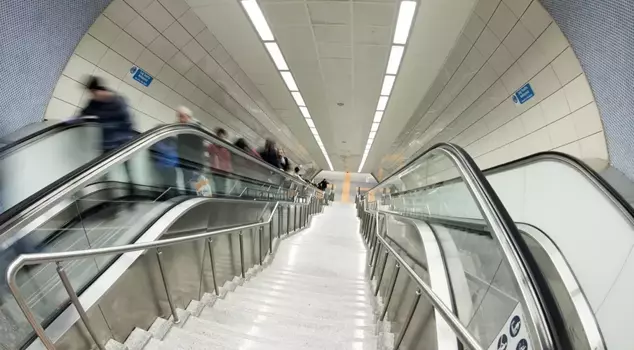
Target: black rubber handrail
44 132
41 194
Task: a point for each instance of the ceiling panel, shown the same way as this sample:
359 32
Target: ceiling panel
286 14
329 12
332 34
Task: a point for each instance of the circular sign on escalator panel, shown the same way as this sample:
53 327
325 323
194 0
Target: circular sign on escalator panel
503 342
522 345
515 326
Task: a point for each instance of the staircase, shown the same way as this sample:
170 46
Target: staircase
312 294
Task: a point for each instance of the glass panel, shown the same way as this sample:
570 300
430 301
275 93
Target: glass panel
430 189
116 207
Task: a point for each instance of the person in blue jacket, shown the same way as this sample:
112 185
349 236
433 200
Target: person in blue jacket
111 112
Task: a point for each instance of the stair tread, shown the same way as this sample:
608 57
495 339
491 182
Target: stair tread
317 284
304 320
283 293
236 337
317 299
270 325
306 304
298 287
292 274
300 311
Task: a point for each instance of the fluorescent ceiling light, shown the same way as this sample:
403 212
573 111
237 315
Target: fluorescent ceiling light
298 98
290 82
372 135
404 21
396 54
388 84
257 18
313 130
277 56
310 122
382 103
305 112
375 127
377 117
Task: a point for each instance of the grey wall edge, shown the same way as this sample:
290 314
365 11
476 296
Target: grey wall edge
600 33
38 38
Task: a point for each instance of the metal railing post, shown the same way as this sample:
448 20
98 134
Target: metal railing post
213 268
288 220
390 291
75 300
374 261
270 237
240 239
279 223
408 320
159 257
378 282
295 218
260 233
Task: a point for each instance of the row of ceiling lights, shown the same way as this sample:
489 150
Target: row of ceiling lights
256 16
406 12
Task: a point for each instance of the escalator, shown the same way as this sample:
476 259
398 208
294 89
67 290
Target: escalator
440 263
98 205
573 237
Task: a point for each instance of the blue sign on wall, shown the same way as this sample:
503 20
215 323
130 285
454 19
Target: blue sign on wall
141 76
524 94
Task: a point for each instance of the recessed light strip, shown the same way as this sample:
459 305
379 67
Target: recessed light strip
406 12
254 12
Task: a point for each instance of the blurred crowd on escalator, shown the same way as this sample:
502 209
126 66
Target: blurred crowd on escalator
188 162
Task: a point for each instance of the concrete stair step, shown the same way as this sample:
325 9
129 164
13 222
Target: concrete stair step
235 336
311 281
293 294
308 304
293 274
298 287
280 327
288 317
282 309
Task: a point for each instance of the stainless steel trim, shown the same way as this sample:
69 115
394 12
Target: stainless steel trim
501 230
75 301
118 157
588 320
408 320
39 258
168 294
213 268
452 320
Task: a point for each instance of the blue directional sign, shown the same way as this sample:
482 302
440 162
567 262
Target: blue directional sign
141 76
524 94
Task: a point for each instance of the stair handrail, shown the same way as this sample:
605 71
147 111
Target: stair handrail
503 229
57 257
465 336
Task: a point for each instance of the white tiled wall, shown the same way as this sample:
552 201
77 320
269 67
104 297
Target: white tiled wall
506 44
168 40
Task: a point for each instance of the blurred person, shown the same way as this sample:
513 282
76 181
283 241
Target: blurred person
190 149
297 173
323 185
285 164
270 155
111 113
242 144
220 159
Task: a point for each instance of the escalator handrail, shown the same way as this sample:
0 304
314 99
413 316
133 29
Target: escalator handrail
462 332
20 214
579 299
56 257
46 131
590 174
505 232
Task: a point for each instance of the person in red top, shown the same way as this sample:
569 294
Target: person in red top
220 159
